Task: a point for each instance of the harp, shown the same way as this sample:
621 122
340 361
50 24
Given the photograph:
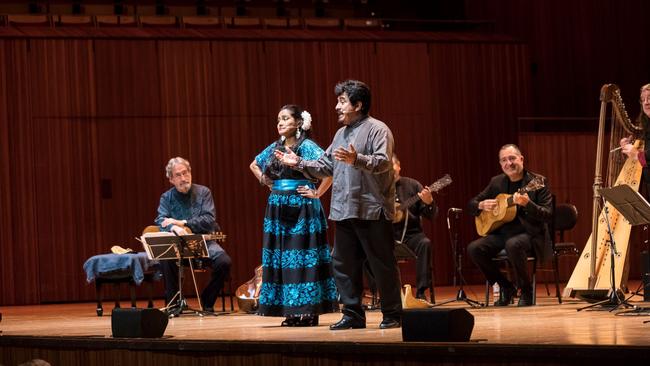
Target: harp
591 277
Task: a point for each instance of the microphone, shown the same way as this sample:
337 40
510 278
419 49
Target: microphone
455 210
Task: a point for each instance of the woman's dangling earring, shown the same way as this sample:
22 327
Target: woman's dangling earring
282 138
297 133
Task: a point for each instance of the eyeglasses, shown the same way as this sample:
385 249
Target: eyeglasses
184 173
508 159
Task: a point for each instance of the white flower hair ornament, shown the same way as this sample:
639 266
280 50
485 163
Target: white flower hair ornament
306 120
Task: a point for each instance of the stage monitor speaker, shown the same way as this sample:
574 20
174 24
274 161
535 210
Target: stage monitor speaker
645 274
437 325
138 323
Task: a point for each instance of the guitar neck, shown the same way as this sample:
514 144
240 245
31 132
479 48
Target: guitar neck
215 236
409 202
434 188
524 190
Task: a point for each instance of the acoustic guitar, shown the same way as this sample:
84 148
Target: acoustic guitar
505 210
401 207
248 293
194 246
216 235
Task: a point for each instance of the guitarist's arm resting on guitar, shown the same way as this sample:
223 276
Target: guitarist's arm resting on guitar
202 223
484 201
479 203
541 210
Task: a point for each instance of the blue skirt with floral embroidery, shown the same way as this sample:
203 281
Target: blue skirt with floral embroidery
296 262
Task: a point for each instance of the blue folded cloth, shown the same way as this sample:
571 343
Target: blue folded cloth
119 266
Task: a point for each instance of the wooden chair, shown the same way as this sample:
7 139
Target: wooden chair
243 22
158 21
201 22
74 21
282 23
322 23
502 257
115 21
565 217
30 20
404 254
362 24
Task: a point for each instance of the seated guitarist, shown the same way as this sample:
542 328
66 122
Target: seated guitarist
414 238
526 234
188 205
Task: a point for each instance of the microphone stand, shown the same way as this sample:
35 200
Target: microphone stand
458 264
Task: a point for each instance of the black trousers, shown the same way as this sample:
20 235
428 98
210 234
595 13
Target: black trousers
355 241
517 247
220 264
421 246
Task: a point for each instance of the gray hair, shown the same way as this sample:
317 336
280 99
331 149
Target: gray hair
173 162
512 146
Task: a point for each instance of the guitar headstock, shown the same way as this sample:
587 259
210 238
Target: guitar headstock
536 183
217 235
440 183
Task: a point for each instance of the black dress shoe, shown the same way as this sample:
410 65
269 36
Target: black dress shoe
389 323
526 299
290 321
307 321
505 296
348 322
421 295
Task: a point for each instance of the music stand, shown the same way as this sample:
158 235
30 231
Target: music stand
171 246
636 211
458 264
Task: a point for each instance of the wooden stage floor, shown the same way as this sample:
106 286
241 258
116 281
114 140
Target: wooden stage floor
546 328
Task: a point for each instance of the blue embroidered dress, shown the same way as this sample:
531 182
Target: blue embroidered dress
296 262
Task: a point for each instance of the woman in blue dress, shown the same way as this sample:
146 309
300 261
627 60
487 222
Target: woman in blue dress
297 280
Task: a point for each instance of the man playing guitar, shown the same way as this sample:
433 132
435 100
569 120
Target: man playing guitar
527 233
414 238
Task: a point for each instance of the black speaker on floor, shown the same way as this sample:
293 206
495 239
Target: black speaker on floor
645 274
437 325
138 323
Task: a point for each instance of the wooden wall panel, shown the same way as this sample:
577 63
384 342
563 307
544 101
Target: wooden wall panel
90 160
476 92
65 184
568 161
20 251
127 78
6 267
576 46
